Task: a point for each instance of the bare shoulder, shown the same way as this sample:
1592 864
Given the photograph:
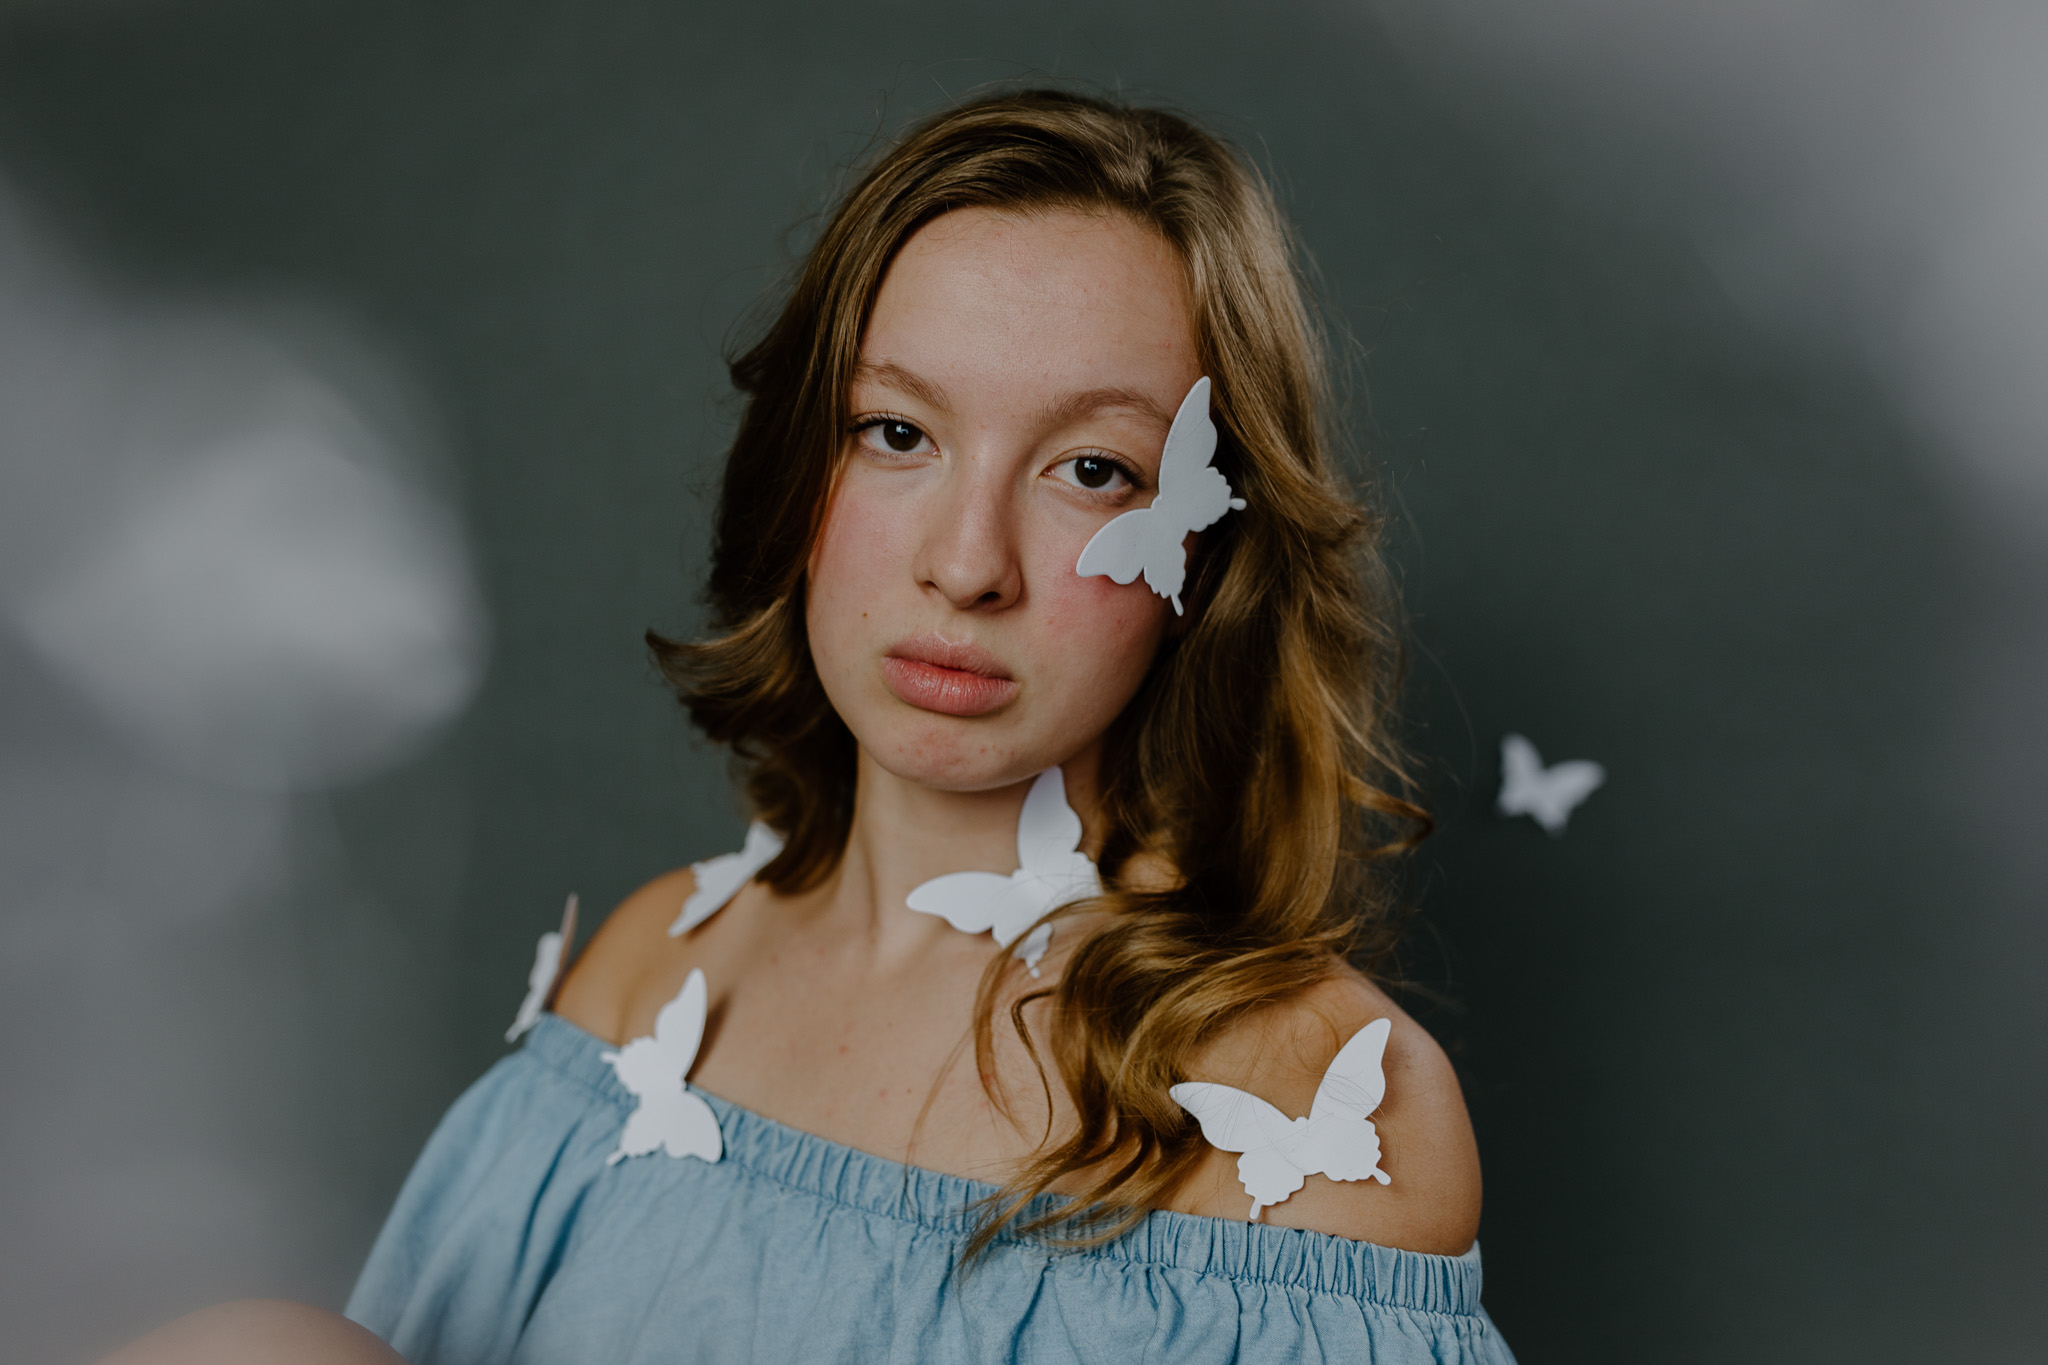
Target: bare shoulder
1281 1054
258 1332
631 958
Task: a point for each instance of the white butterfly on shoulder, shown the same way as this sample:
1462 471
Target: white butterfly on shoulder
720 879
654 1069
1193 495
1337 1139
550 953
1051 872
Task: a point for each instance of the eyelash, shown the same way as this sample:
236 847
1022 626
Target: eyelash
1133 480
880 419
1132 477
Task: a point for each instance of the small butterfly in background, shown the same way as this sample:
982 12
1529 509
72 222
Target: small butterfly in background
550 953
654 1069
1337 1139
1051 872
1546 795
720 879
1193 495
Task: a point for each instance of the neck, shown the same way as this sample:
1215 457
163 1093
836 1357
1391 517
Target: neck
905 833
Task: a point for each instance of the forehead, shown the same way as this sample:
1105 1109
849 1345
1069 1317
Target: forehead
999 302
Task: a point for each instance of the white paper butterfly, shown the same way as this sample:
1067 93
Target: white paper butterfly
1051 872
720 879
1193 495
1546 795
550 952
1337 1139
654 1069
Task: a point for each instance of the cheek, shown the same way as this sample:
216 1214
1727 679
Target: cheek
1103 635
859 552
870 535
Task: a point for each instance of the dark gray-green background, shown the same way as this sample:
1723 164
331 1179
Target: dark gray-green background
1754 1051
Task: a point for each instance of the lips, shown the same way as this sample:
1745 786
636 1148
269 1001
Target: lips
934 674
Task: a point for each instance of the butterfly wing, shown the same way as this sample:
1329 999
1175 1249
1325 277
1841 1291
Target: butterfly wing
969 901
1340 1140
540 983
679 1028
1190 442
1119 549
1520 767
1234 1121
1048 831
1270 1175
689 1128
720 879
1199 500
1341 1147
1561 788
1166 563
642 1133
1049 848
1033 947
1355 1082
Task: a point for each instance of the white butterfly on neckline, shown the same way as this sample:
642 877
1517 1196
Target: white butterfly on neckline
1051 872
1546 795
1193 495
654 1069
720 879
1337 1139
550 953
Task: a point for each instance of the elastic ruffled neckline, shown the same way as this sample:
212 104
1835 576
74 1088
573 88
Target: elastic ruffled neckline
946 1204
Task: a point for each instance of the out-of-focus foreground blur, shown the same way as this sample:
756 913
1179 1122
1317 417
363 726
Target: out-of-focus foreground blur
360 402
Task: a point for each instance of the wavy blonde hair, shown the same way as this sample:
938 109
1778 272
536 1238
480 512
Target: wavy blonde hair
1255 760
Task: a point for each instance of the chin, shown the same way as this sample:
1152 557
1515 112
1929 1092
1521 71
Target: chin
951 755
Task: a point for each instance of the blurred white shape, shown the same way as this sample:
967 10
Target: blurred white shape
550 954
222 542
273 615
1547 795
228 580
1864 172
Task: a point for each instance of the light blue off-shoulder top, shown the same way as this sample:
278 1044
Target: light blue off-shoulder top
513 1243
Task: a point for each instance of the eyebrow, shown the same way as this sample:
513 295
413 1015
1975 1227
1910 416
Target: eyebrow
1059 413
895 376
1091 401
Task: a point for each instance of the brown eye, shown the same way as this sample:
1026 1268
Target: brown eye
901 437
1094 473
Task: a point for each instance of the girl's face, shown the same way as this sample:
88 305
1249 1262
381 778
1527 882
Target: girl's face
1015 388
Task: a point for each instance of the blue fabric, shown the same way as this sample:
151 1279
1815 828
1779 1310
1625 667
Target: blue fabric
513 1243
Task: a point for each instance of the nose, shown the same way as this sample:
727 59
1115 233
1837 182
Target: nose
968 552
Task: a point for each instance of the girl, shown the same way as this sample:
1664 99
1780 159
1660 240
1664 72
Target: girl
1038 608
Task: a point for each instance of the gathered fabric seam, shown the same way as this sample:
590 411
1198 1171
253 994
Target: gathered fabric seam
953 1223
